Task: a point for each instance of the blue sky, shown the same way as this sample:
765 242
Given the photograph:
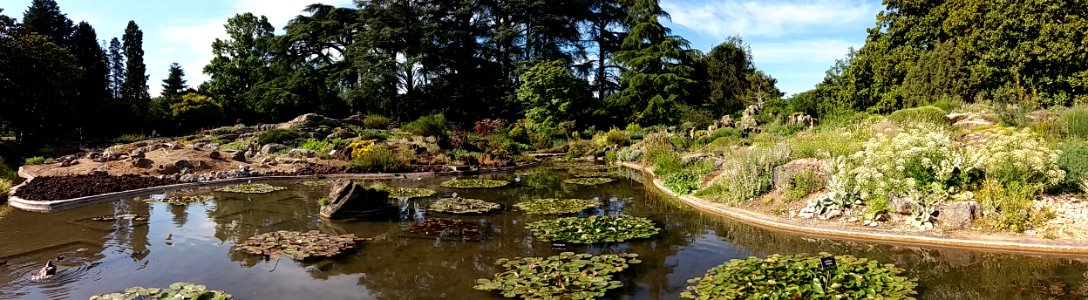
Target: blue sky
794 41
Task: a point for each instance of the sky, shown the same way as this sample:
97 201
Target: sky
794 41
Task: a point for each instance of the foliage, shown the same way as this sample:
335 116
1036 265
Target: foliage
380 159
1009 204
463 206
614 137
594 229
1075 121
664 161
920 115
405 193
373 121
177 290
278 136
298 245
5 187
37 160
745 173
1074 161
183 200
475 183
488 127
724 132
433 125
196 111
551 93
1010 155
826 143
134 90
128 138
174 84
801 277
251 188
683 182
589 181
552 206
803 184
563 276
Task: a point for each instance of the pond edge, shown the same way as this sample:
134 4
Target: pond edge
1019 245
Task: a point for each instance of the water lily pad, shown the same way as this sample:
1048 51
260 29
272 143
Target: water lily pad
183 200
555 206
251 188
298 245
177 290
599 174
589 181
463 206
594 229
445 228
404 193
475 183
315 183
563 276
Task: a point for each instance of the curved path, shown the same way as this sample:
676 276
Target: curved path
986 242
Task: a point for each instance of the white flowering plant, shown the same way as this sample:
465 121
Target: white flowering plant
1016 155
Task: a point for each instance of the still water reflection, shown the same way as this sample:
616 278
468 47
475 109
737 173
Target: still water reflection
101 257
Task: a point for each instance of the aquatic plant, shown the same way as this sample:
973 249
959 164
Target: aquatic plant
251 188
108 218
475 183
594 229
585 174
446 228
589 181
177 290
801 277
315 183
298 245
404 193
463 206
554 206
563 276
183 200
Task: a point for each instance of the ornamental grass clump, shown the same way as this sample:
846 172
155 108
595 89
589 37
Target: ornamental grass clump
589 181
594 229
463 206
563 276
475 183
298 245
251 188
177 290
554 206
801 277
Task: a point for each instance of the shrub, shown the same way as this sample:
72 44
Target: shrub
724 132
746 173
920 115
377 160
433 125
679 142
1009 205
129 138
629 154
612 137
682 182
278 136
801 277
6 171
1075 121
803 184
196 111
37 160
826 143
1074 161
665 162
374 121
373 134
1009 155
5 187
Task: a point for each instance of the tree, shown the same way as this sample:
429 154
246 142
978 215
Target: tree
728 66
174 84
604 26
551 93
117 68
194 111
134 90
38 84
45 18
94 84
241 62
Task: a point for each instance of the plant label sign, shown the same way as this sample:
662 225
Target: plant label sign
559 246
828 263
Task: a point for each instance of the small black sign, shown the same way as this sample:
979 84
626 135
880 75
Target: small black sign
559 246
828 263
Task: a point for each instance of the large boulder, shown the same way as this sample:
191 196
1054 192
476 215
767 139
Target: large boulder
899 203
167 169
349 200
182 164
957 215
142 163
215 155
271 148
308 120
238 156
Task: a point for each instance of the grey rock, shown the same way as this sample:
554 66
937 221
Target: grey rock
899 203
137 154
215 155
302 153
271 148
238 156
142 163
92 155
349 200
182 164
957 215
69 163
167 169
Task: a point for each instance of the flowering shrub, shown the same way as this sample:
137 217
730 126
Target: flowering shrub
1010 155
359 148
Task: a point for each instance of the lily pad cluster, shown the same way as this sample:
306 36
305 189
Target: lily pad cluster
108 218
589 181
298 245
801 277
475 183
251 188
594 229
554 206
572 165
315 183
404 193
563 276
463 206
177 290
446 228
183 200
592 174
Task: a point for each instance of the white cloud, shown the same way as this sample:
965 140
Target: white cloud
756 19
800 50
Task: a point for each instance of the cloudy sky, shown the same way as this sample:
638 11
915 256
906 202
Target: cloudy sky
792 40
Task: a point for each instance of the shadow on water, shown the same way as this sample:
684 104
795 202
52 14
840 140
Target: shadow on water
193 243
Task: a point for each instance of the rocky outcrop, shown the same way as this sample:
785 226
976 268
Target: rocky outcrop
271 148
899 203
971 120
349 200
957 215
302 153
309 120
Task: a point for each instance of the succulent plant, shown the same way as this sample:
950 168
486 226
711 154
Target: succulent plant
563 276
589 181
177 290
251 188
475 183
298 245
463 206
594 229
801 277
554 206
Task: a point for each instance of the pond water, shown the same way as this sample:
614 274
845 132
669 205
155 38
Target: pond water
102 257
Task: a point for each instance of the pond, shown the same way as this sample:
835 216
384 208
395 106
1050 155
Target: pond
101 257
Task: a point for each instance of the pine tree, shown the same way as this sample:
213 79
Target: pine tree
174 84
45 18
134 90
116 68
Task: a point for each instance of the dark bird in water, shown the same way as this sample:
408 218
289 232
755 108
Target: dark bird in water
46 272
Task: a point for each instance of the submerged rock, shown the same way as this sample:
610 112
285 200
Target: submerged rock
348 200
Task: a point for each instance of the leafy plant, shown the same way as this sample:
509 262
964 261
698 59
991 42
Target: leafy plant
433 125
563 276
1074 161
183 200
405 193
801 277
298 245
177 290
1075 120
5 187
1009 205
683 182
373 121
324 201
37 160
129 138
594 229
463 206
278 136
251 188
803 184
745 173
920 115
554 206
378 159
589 181
475 183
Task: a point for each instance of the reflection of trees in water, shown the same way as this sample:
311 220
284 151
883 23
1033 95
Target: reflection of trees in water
180 213
132 234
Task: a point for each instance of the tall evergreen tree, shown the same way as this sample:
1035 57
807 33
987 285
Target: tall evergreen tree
604 28
116 58
134 90
44 17
94 85
174 84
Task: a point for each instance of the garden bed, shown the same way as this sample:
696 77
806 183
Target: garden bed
67 187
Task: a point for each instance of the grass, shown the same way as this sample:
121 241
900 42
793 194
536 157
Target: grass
1075 121
129 138
1074 160
826 143
377 160
37 160
376 122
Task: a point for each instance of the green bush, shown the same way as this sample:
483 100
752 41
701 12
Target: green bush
433 125
801 277
920 115
278 136
6 171
746 173
373 134
724 132
1074 160
1075 120
826 143
665 162
129 138
679 142
377 160
617 137
37 160
683 182
376 122
1008 204
803 184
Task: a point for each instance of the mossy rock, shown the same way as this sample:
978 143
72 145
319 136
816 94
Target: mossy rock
563 276
791 277
298 245
594 229
475 183
463 206
554 206
589 181
177 290
251 188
